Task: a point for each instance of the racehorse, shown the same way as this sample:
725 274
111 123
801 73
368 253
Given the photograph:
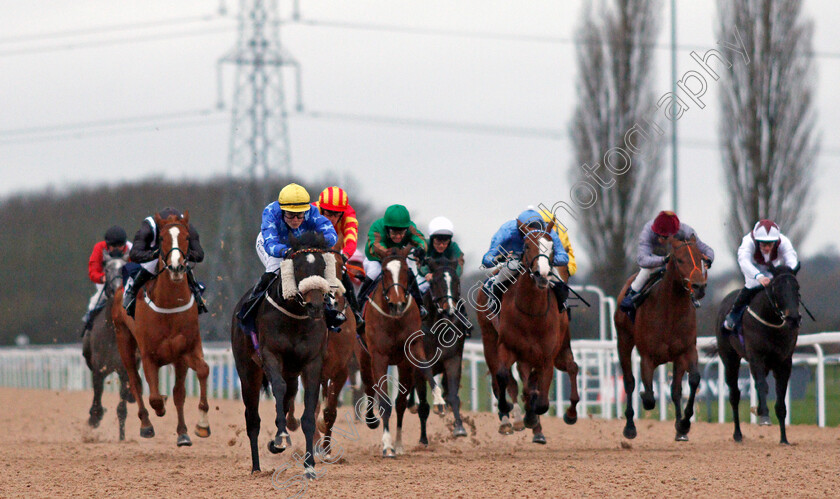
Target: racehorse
770 329
290 341
665 330
394 337
99 347
529 330
165 331
444 343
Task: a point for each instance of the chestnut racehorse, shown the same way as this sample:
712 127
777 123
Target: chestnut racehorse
665 331
165 330
394 337
530 331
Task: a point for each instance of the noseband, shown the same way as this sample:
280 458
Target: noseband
183 267
686 281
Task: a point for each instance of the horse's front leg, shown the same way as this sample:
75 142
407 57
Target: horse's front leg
406 373
96 409
379 364
122 407
759 372
732 366
151 371
452 377
503 377
311 390
418 352
625 351
273 367
566 363
684 425
179 395
782 375
648 398
676 398
195 361
127 346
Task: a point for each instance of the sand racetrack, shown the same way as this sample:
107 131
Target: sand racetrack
47 449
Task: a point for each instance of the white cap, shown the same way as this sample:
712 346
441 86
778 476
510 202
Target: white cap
441 226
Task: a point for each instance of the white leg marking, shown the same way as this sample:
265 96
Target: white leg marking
437 395
202 419
386 440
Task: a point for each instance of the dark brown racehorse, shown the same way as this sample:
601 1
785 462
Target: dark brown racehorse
443 342
770 330
292 339
665 331
336 364
99 347
530 331
165 331
394 337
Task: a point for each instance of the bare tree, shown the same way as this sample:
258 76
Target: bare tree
615 93
767 123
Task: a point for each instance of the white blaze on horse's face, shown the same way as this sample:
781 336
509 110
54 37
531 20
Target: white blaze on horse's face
448 280
547 250
394 268
174 254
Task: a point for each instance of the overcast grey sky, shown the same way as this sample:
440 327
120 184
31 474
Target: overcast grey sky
477 180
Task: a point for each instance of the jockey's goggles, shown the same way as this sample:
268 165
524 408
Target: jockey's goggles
292 215
331 213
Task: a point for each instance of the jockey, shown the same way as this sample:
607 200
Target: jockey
334 204
764 247
115 244
651 253
562 273
510 241
290 215
145 251
441 246
394 230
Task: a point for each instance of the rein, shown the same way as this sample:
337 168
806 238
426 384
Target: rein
274 304
386 314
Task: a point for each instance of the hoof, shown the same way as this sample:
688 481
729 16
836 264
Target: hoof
765 421
310 473
399 449
784 442
630 432
201 431
506 428
94 423
292 423
539 438
648 403
389 453
373 425
531 420
321 425
440 410
569 420
413 409
518 425
274 449
424 441
148 432
738 438
459 431
681 437
184 440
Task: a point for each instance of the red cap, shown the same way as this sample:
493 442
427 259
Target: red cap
666 224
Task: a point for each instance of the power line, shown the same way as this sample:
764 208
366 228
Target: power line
106 29
117 41
107 122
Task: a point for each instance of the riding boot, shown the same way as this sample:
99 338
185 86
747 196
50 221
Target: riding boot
414 290
467 326
131 291
733 318
494 290
249 307
561 292
365 290
88 321
628 304
350 296
197 289
334 317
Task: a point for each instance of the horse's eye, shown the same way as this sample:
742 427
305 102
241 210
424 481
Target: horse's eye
680 261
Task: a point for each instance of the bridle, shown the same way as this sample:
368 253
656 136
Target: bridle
771 295
530 263
447 296
397 285
686 281
181 267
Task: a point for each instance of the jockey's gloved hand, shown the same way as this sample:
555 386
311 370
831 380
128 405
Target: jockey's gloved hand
419 253
285 253
708 263
666 259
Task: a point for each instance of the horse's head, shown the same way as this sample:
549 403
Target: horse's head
395 279
445 285
113 264
784 295
687 261
309 270
174 237
538 252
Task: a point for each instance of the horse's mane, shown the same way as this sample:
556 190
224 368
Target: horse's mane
781 269
308 240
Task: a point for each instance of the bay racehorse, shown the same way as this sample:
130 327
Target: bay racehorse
393 335
443 342
530 331
99 347
665 331
165 331
770 329
290 341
